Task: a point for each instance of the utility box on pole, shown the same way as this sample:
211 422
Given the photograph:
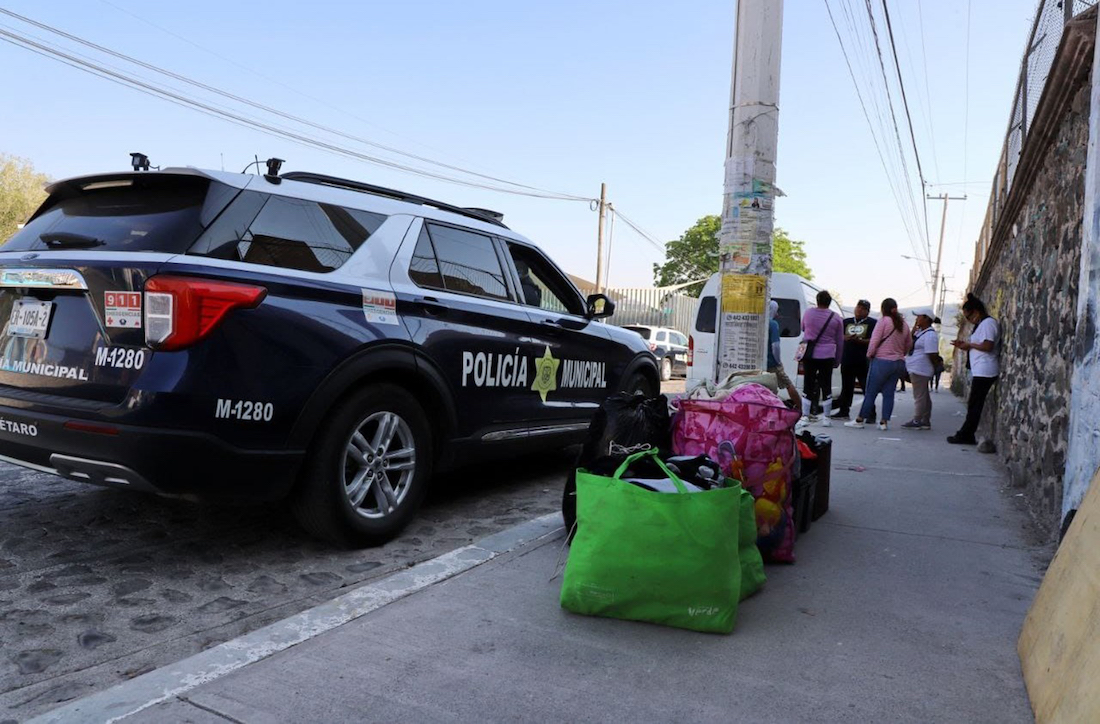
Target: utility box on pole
745 237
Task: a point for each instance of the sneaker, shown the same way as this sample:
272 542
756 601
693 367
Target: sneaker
912 425
882 425
854 423
958 439
838 415
926 426
826 422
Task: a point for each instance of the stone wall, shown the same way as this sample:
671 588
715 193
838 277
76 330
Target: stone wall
1031 289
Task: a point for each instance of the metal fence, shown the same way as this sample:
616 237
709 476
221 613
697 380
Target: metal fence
1042 45
655 306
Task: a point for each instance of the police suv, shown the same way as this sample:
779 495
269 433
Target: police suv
303 336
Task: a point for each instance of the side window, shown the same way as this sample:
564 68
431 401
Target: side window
679 339
541 285
299 234
707 316
424 269
662 336
790 321
467 261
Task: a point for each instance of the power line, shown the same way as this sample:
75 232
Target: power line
538 192
895 186
966 128
927 90
640 231
894 173
905 103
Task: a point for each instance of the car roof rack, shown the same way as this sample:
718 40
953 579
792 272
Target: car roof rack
491 217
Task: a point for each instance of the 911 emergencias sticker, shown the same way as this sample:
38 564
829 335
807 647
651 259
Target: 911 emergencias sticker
122 309
379 307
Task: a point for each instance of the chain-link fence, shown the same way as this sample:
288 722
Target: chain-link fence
1042 45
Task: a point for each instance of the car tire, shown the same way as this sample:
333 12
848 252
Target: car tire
640 384
368 469
666 369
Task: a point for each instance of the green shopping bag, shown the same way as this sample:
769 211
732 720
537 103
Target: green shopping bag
668 558
752 563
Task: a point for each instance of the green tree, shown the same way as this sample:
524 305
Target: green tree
694 256
20 193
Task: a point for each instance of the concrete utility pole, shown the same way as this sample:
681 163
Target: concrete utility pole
943 223
599 240
745 237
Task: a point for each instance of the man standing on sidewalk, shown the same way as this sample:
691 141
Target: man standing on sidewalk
857 335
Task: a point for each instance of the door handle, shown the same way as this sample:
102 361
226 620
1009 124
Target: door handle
432 306
551 326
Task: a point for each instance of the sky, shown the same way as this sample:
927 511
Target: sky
560 96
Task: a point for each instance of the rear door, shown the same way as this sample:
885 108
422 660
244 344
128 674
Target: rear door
460 307
702 341
71 280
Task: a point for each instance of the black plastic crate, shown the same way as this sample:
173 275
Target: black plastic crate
804 493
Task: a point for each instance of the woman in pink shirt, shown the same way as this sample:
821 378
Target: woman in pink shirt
825 329
890 343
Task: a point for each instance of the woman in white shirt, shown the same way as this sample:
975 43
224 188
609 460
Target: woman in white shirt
984 366
921 367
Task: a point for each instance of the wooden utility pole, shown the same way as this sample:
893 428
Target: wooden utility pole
745 237
599 240
937 279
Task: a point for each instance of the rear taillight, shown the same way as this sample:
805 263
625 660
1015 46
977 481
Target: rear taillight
691 350
180 311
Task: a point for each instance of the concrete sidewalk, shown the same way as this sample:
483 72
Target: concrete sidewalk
904 605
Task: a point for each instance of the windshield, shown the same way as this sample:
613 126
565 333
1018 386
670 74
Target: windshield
160 214
644 331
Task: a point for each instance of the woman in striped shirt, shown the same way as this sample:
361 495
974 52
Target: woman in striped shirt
890 343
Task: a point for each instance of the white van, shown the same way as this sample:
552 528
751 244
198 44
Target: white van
793 293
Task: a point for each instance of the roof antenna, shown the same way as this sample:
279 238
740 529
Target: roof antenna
140 162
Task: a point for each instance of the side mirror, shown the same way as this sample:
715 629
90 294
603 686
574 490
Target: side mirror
599 306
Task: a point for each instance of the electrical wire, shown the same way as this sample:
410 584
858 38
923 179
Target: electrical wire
641 232
966 130
539 193
872 72
875 137
927 90
908 117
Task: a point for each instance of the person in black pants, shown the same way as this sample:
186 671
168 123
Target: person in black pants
823 333
985 366
857 335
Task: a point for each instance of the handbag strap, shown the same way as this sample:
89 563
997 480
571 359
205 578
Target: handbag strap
824 327
638 456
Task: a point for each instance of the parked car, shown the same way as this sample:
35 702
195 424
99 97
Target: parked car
794 295
302 337
668 346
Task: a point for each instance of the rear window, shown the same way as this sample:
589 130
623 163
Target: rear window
158 214
305 235
644 331
707 316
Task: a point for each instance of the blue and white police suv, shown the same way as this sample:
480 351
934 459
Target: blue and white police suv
261 337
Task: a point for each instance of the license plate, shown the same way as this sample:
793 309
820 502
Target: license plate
29 318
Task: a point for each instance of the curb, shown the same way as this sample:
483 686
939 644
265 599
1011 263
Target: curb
155 687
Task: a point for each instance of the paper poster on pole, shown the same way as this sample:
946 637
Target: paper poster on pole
743 329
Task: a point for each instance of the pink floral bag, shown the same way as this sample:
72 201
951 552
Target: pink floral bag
760 427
